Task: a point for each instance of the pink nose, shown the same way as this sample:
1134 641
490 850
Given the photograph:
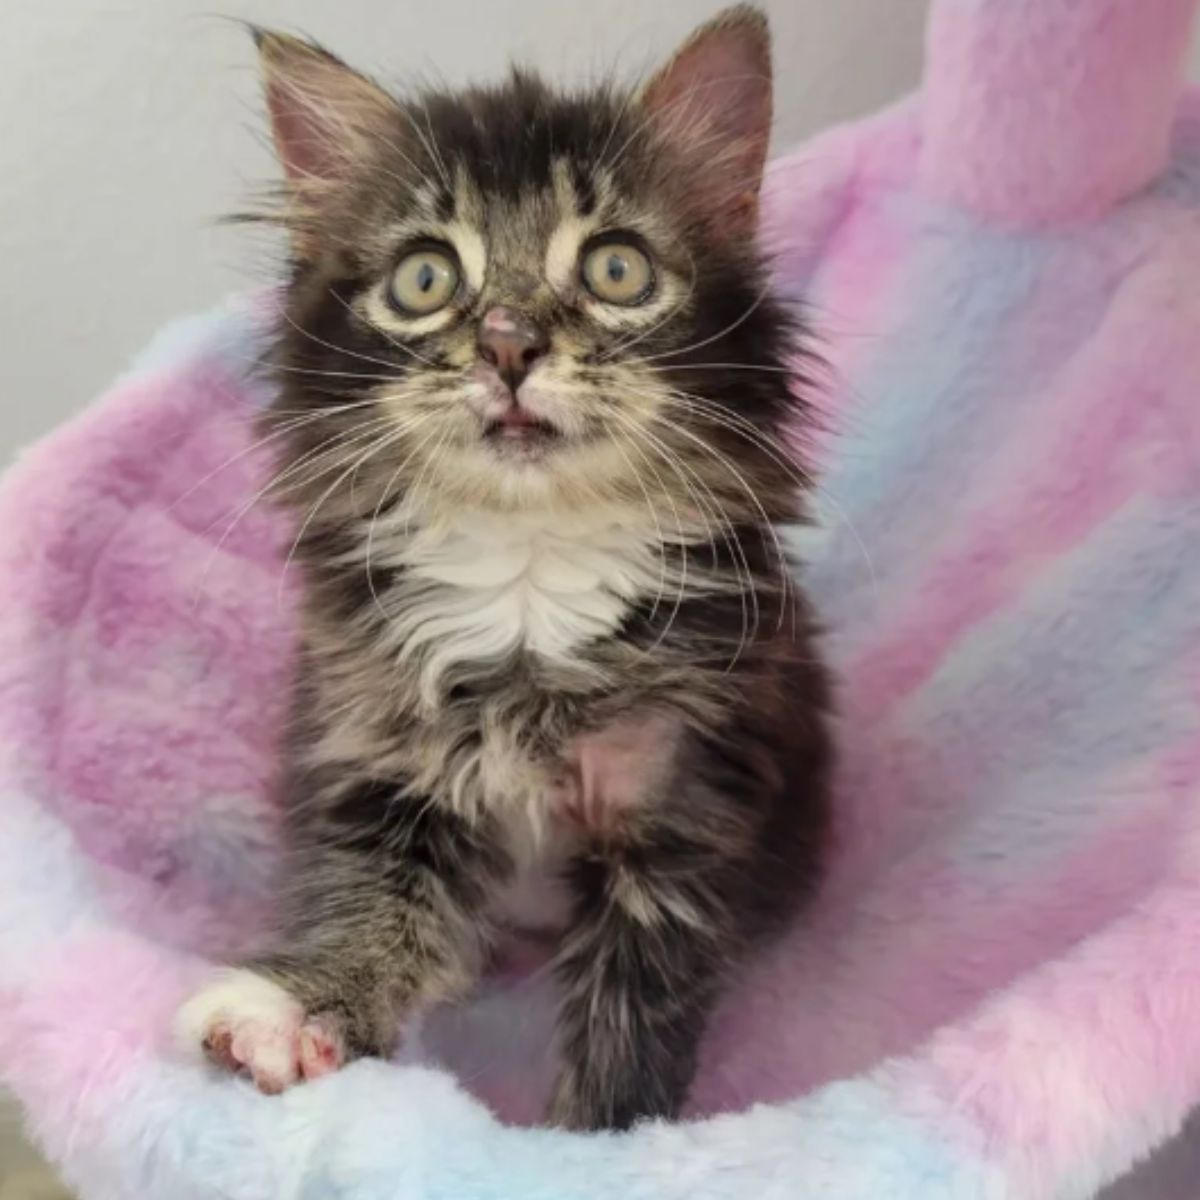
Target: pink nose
511 343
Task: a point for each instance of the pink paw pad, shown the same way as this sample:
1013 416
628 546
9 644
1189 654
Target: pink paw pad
321 1050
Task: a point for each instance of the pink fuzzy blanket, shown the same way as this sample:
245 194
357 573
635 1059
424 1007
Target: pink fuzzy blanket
998 995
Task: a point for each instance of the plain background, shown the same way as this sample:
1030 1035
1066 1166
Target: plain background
131 125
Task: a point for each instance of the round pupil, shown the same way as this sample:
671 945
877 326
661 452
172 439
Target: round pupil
617 268
425 276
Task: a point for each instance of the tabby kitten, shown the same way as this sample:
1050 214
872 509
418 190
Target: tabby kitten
556 679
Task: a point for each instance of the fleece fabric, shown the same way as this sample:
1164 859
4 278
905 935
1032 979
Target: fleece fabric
997 995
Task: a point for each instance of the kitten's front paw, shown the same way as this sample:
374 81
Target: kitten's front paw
246 1023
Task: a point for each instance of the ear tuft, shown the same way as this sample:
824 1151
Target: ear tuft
713 99
323 113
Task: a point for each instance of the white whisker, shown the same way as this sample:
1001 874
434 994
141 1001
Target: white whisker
391 341
312 337
356 433
307 418
375 518
745 316
741 564
807 482
381 445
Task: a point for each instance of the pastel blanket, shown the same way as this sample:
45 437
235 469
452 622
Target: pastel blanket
998 994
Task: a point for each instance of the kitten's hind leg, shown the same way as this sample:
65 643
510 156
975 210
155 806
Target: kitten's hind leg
381 920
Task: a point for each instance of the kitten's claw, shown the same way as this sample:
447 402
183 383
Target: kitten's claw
245 1023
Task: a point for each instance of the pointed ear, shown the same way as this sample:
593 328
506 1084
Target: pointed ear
713 100
322 112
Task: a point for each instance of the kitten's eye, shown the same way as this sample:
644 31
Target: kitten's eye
424 281
618 273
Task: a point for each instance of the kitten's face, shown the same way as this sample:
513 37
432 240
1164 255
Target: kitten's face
510 298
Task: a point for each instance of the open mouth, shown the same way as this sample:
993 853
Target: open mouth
520 431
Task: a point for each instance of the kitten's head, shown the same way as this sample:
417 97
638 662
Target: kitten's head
514 297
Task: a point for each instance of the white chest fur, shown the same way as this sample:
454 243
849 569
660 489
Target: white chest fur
480 585
475 587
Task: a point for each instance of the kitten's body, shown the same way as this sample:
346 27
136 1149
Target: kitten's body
555 675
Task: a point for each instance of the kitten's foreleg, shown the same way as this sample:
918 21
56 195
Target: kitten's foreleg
381 919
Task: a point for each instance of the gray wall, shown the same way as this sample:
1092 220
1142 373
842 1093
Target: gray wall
131 124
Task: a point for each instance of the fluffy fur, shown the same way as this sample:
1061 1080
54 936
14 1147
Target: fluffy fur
564 656
995 994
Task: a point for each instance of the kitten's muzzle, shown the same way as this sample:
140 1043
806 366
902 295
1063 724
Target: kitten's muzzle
511 343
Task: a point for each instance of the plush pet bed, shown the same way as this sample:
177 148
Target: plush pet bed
998 995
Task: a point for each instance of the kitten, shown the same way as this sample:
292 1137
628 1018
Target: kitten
535 405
